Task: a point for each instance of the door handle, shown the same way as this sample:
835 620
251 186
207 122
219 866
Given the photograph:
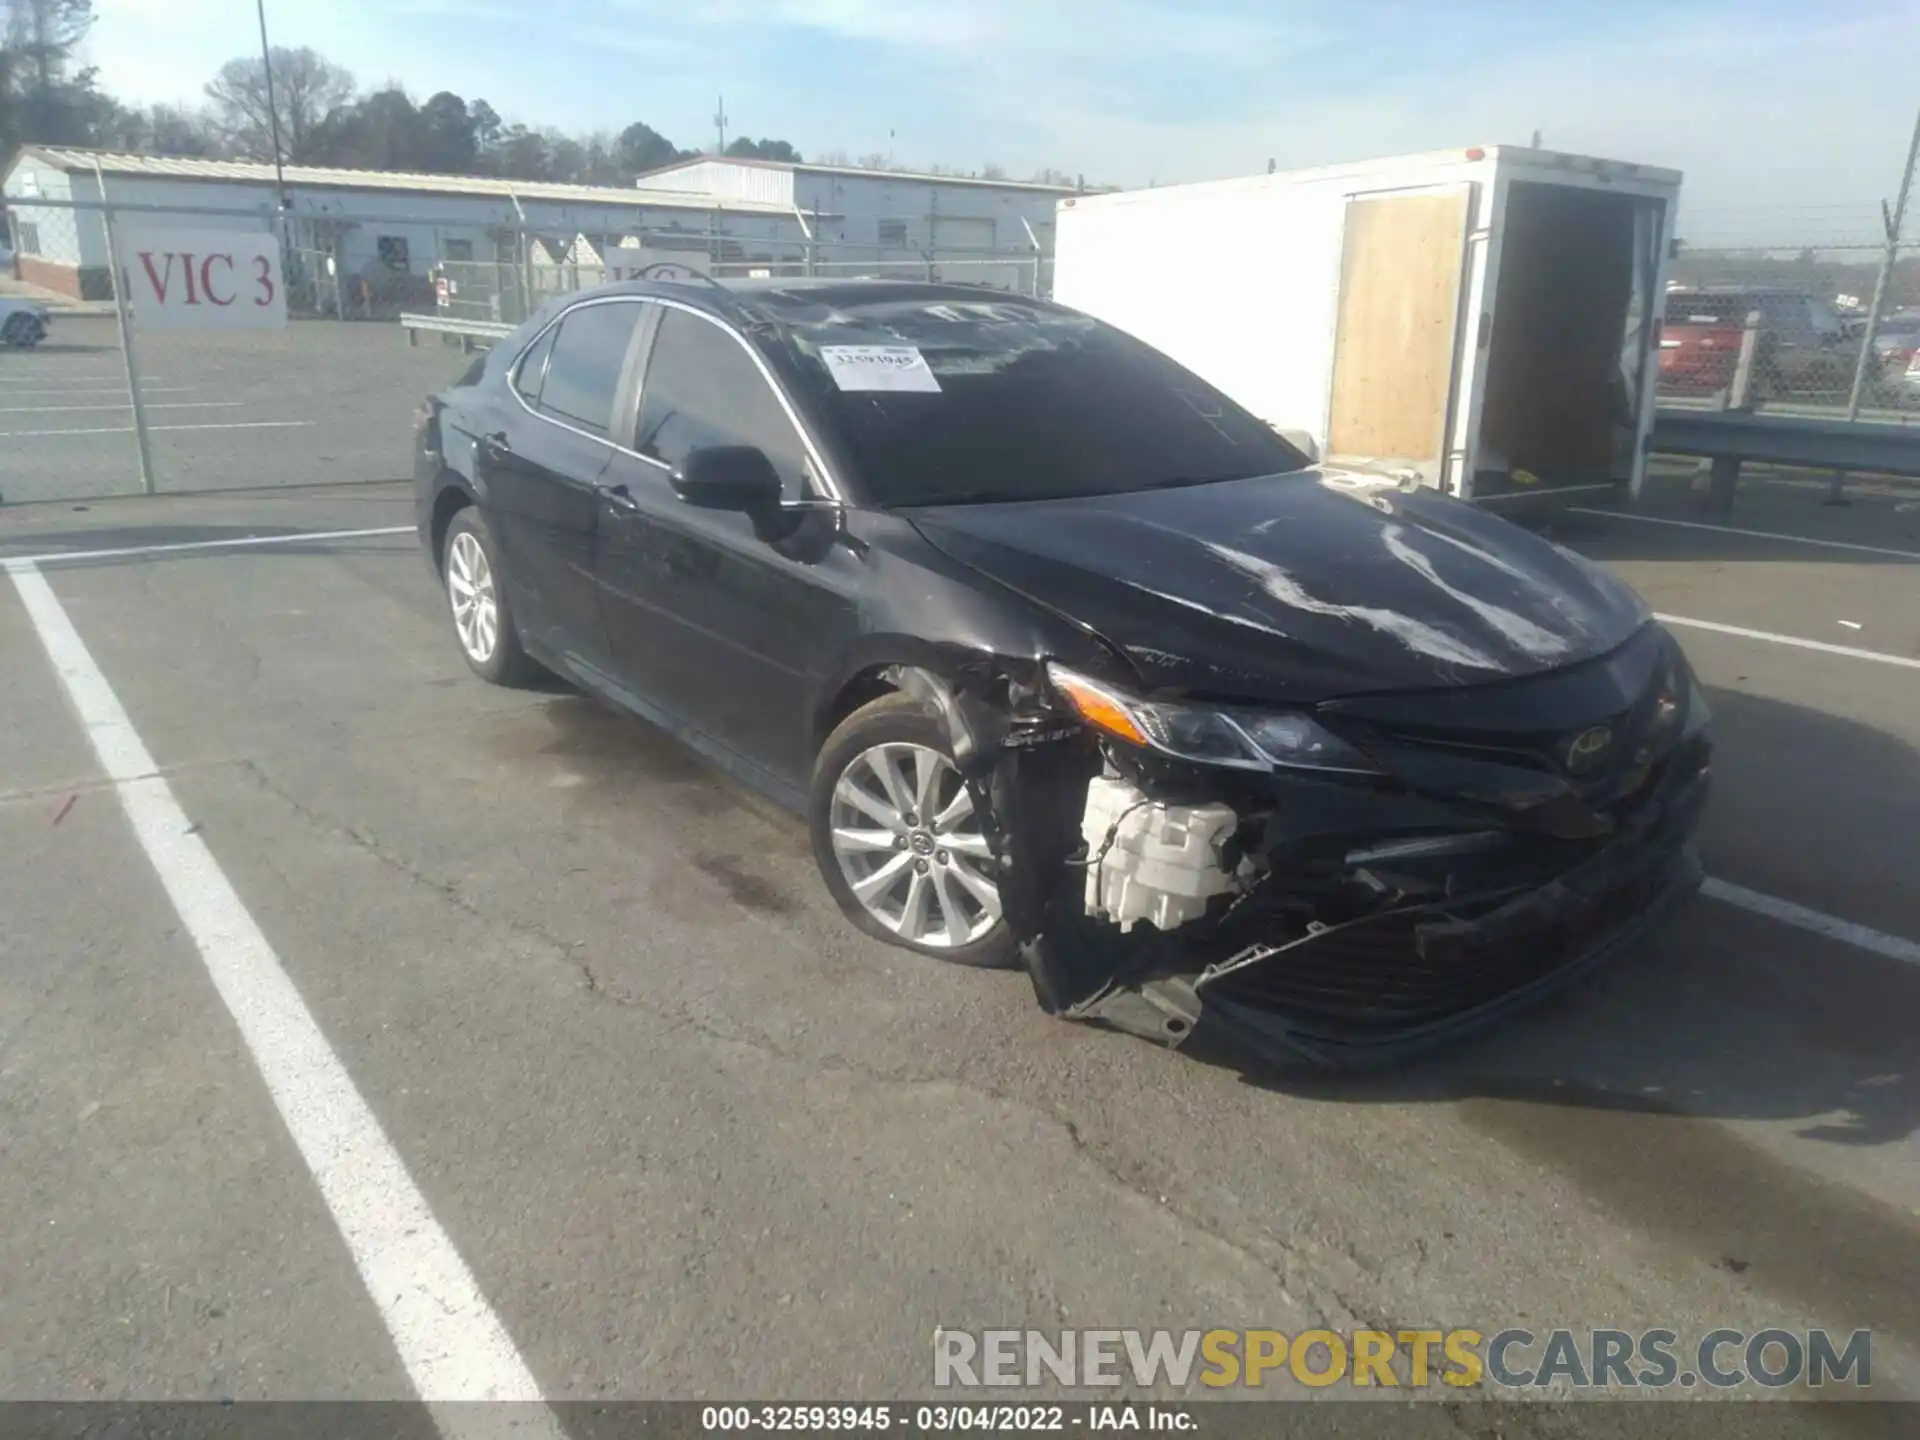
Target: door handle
495 446
619 497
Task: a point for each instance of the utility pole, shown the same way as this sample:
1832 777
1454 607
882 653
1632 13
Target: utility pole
273 109
720 126
1891 223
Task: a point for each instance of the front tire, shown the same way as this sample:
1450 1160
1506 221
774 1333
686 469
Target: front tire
898 839
22 331
482 620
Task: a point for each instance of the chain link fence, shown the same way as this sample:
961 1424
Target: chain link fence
109 401
1808 310
507 289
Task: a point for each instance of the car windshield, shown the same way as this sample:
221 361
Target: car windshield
975 399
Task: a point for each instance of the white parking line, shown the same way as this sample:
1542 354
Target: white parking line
123 405
50 557
41 377
69 391
1852 652
156 429
1750 534
1800 917
448 1337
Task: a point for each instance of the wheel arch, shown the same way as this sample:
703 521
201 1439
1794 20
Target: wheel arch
452 499
888 663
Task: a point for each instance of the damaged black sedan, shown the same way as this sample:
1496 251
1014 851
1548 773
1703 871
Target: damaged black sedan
1071 662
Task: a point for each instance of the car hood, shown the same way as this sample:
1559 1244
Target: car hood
1299 587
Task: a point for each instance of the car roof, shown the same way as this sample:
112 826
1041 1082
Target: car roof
777 298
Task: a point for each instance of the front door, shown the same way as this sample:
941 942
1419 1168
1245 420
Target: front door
541 468
724 629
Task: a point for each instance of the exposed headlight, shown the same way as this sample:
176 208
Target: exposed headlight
1244 739
1682 699
1698 711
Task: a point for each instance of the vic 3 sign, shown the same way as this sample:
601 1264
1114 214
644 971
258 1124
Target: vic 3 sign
205 280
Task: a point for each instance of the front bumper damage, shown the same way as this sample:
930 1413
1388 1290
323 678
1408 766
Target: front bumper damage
1296 917
1383 986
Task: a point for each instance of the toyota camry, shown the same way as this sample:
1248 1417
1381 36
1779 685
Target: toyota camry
1070 662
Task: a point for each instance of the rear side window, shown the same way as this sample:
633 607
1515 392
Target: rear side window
584 369
703 388
533 368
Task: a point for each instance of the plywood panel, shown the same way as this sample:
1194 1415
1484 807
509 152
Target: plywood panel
1400 275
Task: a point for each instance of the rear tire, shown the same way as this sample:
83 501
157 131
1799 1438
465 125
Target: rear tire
482 619
22 331
898 842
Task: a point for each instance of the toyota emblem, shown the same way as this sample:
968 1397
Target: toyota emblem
1588 748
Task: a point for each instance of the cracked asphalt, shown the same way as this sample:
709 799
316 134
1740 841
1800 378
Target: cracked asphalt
697 1138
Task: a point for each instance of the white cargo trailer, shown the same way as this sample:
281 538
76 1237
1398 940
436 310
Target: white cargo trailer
1486 320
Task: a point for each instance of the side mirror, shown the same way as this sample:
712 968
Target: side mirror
728 477
1303 442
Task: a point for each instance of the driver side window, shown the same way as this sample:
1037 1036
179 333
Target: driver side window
701 389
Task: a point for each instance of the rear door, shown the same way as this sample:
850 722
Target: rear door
541 468
1402 265
1572 302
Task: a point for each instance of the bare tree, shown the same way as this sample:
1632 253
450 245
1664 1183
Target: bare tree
307 87
155 130
44 94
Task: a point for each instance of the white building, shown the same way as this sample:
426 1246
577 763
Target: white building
878 214
390 228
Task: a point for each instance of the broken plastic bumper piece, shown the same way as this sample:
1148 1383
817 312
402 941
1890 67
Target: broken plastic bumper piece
1386 984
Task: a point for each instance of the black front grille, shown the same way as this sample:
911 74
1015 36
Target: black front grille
1403 970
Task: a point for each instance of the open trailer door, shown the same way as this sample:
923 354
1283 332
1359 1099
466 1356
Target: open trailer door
1572 343
1402 266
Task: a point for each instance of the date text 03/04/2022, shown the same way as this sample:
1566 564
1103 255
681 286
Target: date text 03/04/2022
944 1418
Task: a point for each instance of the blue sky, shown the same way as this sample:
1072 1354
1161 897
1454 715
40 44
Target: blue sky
1773 113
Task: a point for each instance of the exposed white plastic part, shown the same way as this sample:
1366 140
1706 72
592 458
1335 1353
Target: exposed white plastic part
1162 862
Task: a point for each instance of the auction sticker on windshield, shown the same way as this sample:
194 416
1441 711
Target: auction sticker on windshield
878 367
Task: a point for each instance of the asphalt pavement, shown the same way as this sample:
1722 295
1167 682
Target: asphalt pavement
320 402
694 1137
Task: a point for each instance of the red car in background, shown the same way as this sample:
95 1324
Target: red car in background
1804 349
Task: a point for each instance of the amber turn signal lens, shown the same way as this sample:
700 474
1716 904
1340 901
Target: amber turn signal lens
1099 709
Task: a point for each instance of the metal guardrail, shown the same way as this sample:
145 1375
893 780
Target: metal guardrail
1816 444
467 330
1730 438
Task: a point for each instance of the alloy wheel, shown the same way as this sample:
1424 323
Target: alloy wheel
911 848
476 608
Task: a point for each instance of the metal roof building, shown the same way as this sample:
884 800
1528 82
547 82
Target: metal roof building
890 212
365 222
